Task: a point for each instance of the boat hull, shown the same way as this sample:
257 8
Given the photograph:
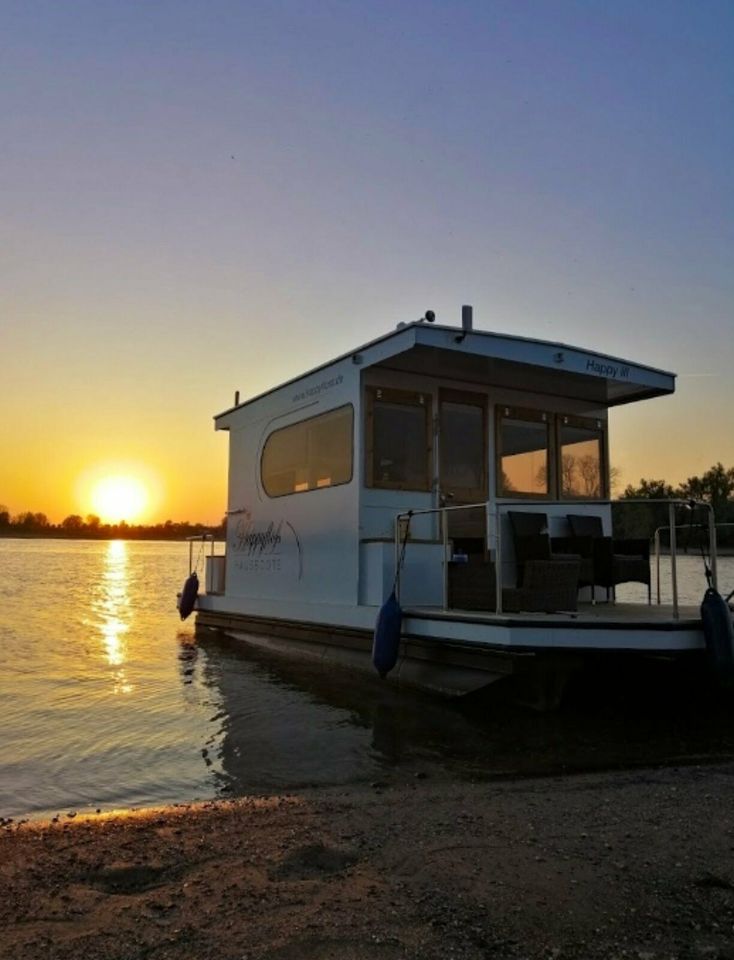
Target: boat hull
449 668
448 665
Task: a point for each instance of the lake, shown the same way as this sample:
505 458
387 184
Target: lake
107 701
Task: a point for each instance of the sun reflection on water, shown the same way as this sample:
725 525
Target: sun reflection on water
113 604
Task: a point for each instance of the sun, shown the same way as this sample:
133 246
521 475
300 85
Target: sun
117 498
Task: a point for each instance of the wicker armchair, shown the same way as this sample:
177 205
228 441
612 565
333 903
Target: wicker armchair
549 586
547 580
472 584
533 542
614 561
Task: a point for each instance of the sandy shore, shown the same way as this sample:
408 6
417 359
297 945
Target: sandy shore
630 865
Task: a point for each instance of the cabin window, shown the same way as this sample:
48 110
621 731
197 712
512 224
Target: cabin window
535 461
523 438
309 455
398 441
581 446
462 449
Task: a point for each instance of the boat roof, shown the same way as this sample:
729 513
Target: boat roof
498 358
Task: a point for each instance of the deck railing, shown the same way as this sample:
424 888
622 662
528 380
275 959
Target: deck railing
401 534
685 526
493 535
213 563
201 538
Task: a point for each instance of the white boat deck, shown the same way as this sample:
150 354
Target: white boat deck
591 615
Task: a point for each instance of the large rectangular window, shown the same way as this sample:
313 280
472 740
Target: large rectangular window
566 462
523 453
398 441
309 455
581 446
462 446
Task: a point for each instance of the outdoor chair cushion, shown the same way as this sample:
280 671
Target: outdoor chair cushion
549 586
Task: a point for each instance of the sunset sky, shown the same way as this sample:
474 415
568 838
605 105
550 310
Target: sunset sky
203 197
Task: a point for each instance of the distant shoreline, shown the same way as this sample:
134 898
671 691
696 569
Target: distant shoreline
173 538
219 537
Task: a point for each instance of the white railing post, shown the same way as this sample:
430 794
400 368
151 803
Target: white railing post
713 548
445 539
673 559
397 557
498 561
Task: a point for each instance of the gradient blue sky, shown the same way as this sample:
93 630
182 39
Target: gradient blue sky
202 197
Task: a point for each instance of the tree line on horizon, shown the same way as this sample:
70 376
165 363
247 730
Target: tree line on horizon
30 524
715 486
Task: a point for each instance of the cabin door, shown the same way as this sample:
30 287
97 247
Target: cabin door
463 465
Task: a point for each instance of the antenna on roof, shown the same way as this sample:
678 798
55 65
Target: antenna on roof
467 322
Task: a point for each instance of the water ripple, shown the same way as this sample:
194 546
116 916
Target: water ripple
107 700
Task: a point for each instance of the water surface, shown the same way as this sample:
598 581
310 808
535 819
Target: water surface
107 700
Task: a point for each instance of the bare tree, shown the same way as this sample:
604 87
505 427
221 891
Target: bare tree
589 471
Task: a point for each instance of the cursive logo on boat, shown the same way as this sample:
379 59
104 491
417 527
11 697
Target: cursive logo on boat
263 549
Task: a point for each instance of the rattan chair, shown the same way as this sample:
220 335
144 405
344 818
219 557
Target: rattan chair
547 580
472 584
549 586
614 561
532 541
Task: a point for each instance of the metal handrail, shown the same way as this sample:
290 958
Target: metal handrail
672 504
199 537
494 511
442 511
681 526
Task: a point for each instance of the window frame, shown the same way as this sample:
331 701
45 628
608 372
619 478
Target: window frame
592 423
467 399
507 412
299 423
554 421
374 394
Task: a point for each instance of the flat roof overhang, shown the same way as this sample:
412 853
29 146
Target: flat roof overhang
493 359
534 365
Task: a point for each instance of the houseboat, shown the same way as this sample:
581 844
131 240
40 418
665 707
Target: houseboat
467 471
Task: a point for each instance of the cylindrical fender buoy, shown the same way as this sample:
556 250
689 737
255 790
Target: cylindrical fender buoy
386 643
718 632
188 595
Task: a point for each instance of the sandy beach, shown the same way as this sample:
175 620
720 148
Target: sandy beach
623 864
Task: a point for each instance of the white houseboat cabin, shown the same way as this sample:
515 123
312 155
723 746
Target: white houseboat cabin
476 464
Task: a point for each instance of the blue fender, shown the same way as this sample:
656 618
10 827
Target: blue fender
188 595
718 632
386 643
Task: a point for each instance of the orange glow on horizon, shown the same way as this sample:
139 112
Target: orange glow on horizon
119 491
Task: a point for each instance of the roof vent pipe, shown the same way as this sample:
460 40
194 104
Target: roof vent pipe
467 319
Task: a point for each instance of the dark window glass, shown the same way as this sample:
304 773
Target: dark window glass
462 451
400 445
524 457
398 442
581 461
309 455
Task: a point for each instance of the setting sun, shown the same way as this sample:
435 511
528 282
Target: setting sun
119 498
